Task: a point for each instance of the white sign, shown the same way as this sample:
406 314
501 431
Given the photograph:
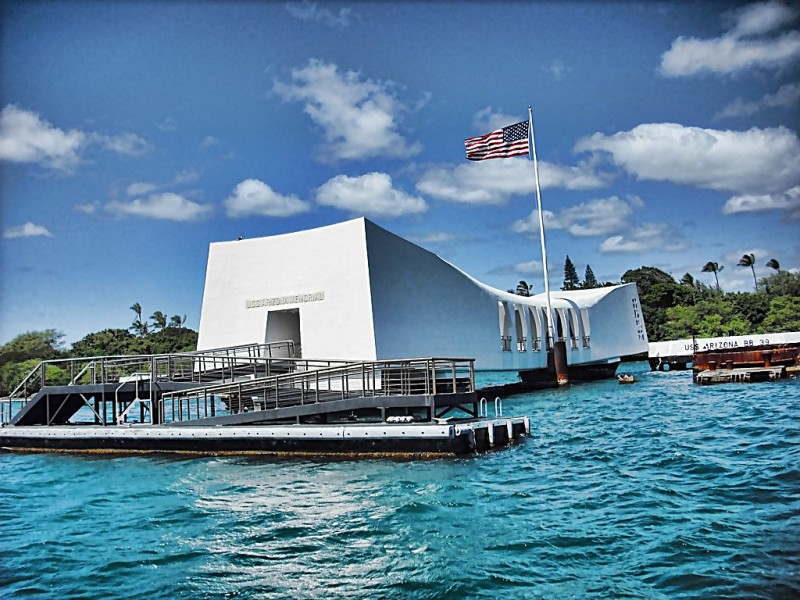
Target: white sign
281 300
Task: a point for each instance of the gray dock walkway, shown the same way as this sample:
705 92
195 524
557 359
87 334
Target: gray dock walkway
256 398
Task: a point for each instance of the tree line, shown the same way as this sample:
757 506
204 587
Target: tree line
156 335
682 309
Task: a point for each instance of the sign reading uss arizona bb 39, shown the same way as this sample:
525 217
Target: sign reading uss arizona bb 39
281 300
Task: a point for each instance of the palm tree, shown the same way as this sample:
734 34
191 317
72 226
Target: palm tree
177 321
523 289
749 260
715 268
687 279
774 264
139 327
159 320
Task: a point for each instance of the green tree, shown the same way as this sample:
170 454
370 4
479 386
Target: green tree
708 318
12 374
177 321
22 354
783 283
589 280
571 281
108 342
139 327
41 345
170 340
712 267
753 308
749 260
774 264
159 320
784 315
688 280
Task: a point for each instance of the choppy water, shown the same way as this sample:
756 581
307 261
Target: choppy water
661 489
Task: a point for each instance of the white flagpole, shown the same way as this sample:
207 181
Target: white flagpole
550 331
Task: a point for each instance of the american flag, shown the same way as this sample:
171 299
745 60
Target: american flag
502 143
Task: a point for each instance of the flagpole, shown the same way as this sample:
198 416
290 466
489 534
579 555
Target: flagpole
550 331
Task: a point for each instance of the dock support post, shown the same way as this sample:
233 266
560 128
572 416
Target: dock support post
560 362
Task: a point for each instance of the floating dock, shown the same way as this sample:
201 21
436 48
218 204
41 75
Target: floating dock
255 398
464 437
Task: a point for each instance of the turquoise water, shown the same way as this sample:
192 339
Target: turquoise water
661 489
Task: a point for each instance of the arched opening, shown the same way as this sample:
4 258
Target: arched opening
587 330
505 334
548 338
521 339
536 329
572 322
559 325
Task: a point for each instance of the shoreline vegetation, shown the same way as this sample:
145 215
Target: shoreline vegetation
672 310
156 335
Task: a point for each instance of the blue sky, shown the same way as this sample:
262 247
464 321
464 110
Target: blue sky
133 134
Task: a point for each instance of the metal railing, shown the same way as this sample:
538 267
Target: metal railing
408 377
218 364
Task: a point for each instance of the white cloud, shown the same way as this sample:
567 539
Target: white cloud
486 120
27 230
493 181
760 18
753 40
358 116
87 208
26 138
141 188
186 176
647 237
370 195
756 160
254 197
559 69
787 96
128 144
209 141
601 216
529 268
166 206
311 12
168 124
438 237
788 201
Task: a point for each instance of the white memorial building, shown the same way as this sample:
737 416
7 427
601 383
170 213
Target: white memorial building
356 291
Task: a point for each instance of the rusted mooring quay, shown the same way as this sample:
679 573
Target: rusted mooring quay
746 375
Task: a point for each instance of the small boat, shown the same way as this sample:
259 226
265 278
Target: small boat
626 378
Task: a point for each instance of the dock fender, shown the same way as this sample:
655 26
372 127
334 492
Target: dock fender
471 439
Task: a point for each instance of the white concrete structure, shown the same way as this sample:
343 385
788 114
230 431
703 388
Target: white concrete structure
355 291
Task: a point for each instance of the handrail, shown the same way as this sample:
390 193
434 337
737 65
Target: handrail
365 378
245 370
241 353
